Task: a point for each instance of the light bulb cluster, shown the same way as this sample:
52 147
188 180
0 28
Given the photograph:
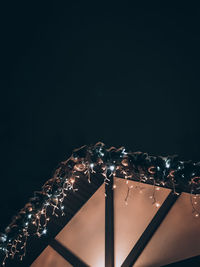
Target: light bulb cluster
86 161
195 202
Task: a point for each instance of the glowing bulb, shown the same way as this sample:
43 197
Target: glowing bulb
126 181
124 151
29 216
100 152
157 204
196 215
44 231
195 202
157 188
62 207
112 167
72 180
3 238
91 165
114 186
167 164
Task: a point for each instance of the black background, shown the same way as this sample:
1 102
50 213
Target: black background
80 73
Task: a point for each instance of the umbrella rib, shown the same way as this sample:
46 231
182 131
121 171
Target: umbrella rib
193 261
109 224
150 230
67 254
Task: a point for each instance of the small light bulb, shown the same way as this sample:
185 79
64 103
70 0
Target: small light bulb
62 207
196 215
114 186
112 167
91 165
167 164
100 152
29 216
157 204
126 181
44 231
72 180
124 151
157 188
3 237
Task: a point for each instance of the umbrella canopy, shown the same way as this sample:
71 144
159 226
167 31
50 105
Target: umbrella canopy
176 238
109 207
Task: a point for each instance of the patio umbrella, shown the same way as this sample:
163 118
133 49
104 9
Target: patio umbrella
119 209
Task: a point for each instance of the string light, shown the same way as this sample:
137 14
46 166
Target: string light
87 161
167 164
157 204
44 231
128 193
194 198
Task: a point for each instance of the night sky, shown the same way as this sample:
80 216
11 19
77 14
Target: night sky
80 73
